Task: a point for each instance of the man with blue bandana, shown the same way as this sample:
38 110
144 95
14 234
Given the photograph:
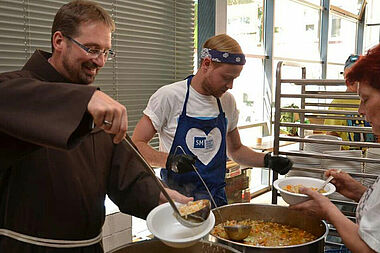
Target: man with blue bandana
196 120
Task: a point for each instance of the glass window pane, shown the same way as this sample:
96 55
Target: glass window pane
334 71
372 33
342 39
245 24
296 35
371 36
353 6
313 71
316 2
248 92
372 12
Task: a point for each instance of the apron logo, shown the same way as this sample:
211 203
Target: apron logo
199 142
202 142
205 147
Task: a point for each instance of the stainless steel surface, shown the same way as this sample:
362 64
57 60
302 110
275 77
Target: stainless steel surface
329 92
320 170
274 213
323 82
322 116
332 142
319 111
303 101
322 96
188 220
237 232
156 246
331 128
334 157
329 105
277 115
315 99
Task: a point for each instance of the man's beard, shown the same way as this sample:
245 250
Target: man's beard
209 89
77 75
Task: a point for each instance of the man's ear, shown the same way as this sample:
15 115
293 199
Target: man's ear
206 64
58 41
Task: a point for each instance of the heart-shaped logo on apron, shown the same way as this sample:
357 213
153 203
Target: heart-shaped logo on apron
204 146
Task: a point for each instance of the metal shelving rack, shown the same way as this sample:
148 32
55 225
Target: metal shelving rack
312 110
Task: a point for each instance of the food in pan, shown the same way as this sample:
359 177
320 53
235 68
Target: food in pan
265 233
296 188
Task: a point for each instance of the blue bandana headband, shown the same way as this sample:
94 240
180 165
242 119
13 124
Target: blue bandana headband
223 57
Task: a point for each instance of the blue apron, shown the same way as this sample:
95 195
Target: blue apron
205 138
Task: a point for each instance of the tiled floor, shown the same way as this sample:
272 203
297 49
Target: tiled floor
141 232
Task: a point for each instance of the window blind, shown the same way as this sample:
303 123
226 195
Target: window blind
153 41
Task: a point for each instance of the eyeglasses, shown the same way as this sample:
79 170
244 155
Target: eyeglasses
94 53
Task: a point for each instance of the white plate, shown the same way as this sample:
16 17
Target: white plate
300 173
372 168
350 153
373 151
163 225
304 159
347 166
319 147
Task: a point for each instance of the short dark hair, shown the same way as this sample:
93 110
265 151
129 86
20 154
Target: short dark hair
71 15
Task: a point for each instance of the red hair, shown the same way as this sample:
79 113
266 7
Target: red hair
366 69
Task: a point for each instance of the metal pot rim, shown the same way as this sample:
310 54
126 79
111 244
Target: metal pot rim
156 240
265 247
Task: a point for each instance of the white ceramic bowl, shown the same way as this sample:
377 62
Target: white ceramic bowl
295 198
163 225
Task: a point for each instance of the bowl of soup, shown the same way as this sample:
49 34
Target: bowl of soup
289 188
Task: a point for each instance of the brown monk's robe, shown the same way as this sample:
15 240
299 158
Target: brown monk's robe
55 171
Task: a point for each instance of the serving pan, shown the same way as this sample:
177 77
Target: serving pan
273 213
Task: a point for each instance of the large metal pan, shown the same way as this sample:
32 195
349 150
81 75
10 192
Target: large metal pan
156 246
274 213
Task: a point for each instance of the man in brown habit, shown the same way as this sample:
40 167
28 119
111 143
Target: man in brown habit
55 170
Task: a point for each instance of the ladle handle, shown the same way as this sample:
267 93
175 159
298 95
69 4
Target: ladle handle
150 170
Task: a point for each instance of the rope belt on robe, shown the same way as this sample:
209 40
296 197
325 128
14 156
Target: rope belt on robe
50 242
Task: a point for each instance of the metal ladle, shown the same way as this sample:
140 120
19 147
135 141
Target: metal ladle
237 232
189 220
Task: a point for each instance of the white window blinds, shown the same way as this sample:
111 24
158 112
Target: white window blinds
153 41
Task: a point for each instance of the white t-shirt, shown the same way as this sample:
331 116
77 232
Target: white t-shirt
368 216
166 104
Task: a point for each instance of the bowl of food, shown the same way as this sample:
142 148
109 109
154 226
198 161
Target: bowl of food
162 223
289 188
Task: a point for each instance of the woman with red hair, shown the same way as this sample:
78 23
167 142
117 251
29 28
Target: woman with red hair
364 235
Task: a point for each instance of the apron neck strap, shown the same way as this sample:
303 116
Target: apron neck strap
189 78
